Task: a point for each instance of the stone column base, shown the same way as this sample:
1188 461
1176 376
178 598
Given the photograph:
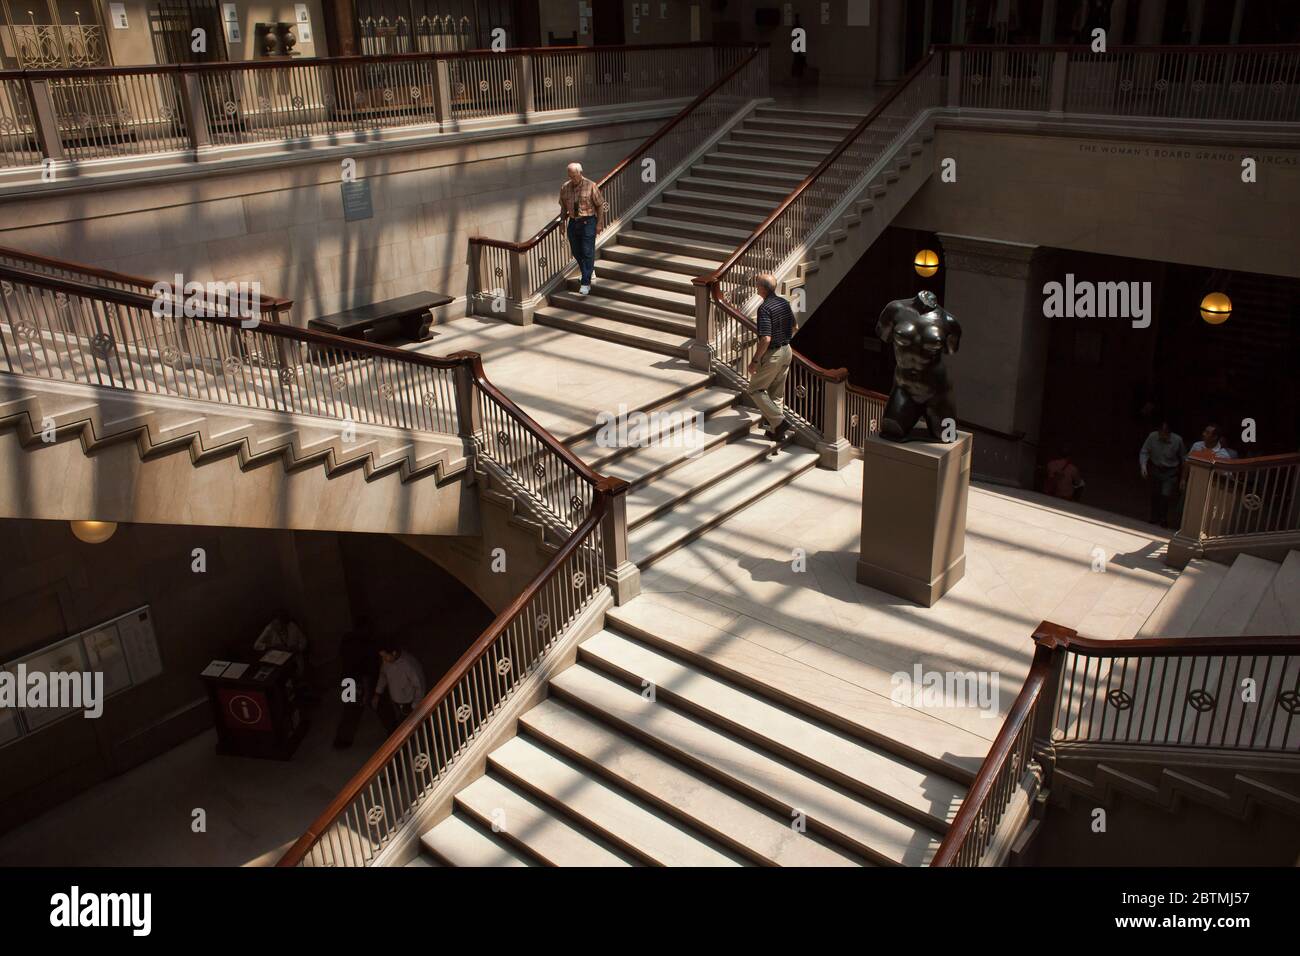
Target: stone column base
624 581
835 455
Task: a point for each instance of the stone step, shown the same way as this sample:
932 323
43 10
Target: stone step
612 330
530 825
775 148
687 197
756 832
652 499
598 303
648 467
912 734
690 230
697 513
1234 601
678 246
644 275
822 141
706 213
659 259
917 793
457 842
745 160
813 116
1279 609
601 452
638 829
797 129
850 821
714 170
706 184
1183 603
606 286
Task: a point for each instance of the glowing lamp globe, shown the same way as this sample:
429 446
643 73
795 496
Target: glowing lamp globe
1215 308
926 263
93 532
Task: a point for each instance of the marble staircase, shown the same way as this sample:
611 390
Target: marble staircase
1249 597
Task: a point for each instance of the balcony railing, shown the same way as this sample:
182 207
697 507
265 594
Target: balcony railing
114 112
1241 504
1179 693
506 275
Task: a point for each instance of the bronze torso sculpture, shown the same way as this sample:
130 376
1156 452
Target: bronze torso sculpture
921 332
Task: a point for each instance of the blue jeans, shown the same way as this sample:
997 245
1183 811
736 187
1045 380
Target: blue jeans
582 242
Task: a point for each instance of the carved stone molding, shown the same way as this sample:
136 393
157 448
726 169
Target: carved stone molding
990 257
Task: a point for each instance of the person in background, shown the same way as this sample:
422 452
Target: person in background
1063 478
1210 446
400 686
1160 460
582 207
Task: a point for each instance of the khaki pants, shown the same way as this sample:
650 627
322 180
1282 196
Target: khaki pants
767 386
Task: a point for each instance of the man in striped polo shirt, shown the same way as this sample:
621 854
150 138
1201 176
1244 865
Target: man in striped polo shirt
767 371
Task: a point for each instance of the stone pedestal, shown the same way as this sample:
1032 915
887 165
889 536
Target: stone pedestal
914 516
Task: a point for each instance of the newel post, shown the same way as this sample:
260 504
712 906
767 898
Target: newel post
1186 542
622 576
1060 63
834 448
954 79
441 91
700 351
524 83
468 417
196 116
1052 642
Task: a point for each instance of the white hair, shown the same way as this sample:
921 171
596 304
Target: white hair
577 166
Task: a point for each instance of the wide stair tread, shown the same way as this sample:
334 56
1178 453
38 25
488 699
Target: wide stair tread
678 303
1279 609
706 184
457 842
1184 601
612 330
913 734
647 276
634 313
849 820
690 796
536 828
710 506
917 793
1235 599
693 230
661 259
707 468
718 170
677 245
688 197
644 832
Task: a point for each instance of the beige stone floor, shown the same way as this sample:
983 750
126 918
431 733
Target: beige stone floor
562 380
1028 560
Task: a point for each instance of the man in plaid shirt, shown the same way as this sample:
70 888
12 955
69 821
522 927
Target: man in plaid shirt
582 208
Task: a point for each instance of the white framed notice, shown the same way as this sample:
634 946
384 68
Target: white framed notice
117 14
826 13
303 17
65 657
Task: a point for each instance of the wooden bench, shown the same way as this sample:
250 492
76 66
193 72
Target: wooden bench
410 315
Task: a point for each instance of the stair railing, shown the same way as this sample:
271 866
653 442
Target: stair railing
1210 694
818 398
1238 504
121 111
506 276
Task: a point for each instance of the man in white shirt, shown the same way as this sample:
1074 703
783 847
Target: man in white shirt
1211 444
402 678
1161 456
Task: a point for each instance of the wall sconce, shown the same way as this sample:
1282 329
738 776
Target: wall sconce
93 532
926 263
1215 308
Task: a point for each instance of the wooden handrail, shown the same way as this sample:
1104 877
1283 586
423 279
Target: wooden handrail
526 244
1244 464
278 304
605 489
1021 711
1163 646
1136 48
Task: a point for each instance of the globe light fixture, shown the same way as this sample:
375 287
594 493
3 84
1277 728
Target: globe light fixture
926 263
1215 308
93 532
